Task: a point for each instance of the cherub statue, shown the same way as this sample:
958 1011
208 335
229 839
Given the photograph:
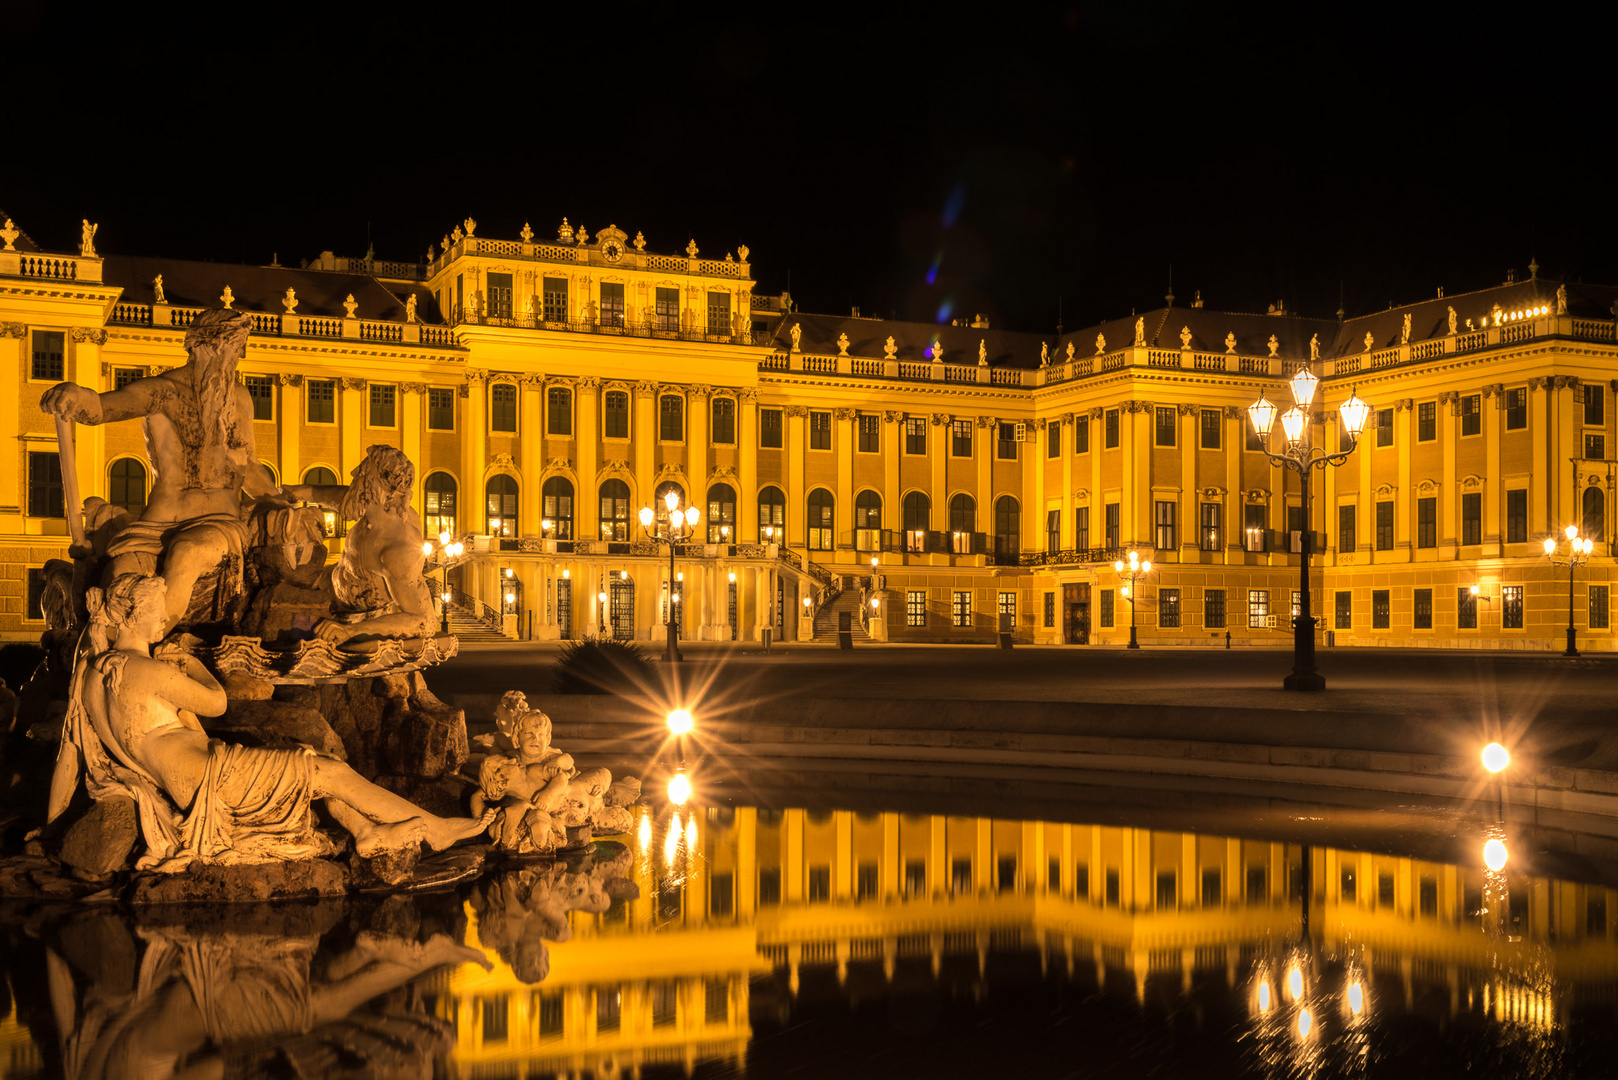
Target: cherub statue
132 731
540 793
519 911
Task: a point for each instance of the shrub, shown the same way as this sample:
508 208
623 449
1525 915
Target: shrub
603 665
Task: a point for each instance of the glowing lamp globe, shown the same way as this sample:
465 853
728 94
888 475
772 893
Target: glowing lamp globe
1306 1023
1303 387
693 515
1572 532
679 721
1293 422
671 500
1263 997
1495 757
1356 998
443 538
1295 982
646 517
679 790
1494 855
427 549
1354 413
1262 414
1146 567
1550 545
1118 566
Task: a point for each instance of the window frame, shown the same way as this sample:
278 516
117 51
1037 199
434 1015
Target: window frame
1515 407
611 303
1381 609
1385 529
310 400
1258 609
1343 612
432 410
765 428
1211 526
607 412
1471 523
1348 527
1598 615
1421 609
34 354
1384 430
915 429
722 414
1426 421
960 608
1516 516
503 402
820 430
666 415
1217 429
916 607
1427 522
1472 419
1168 608
960 435
1003 444
821 536
1511 607
1214 616
1081 435
1466 608
558 406
1111 435
1165 526
867 433
1053 440
1161 413
267 384
392 394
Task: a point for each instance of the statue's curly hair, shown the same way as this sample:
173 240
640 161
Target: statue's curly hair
396 472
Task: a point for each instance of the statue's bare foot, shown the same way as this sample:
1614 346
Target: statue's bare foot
390 836
442 832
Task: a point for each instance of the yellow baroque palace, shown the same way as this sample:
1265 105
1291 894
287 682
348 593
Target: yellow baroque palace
549 389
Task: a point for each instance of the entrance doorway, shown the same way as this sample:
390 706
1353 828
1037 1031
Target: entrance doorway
1076 614
621 613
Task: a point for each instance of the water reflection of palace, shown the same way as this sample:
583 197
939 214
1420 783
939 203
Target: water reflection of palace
728 895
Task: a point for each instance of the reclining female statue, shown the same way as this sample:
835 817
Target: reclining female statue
132 730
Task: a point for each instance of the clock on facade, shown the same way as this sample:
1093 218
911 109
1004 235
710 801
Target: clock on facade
612 250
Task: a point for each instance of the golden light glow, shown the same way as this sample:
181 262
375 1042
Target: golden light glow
1306 1022
1303 387
643 833
671 500
1494 855
1356 998
679 721
1262 414
1264 997
646 517
1293 422
1295 982
1496 757
1354 413
679 793
427 549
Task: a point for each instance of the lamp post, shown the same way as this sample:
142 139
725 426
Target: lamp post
443 555
1578 552
1132 573
678 525
1301 457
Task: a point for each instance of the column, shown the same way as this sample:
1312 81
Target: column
1190 437
531 454
645 446
797 508
1493 483
1365 510
1098 499
13 349
792 885
745 832
696 454
1235 499
1449 534
1033 490
1138 469
937 469
983 452
843 447
747 466
351 418
292 418
1404 501
474 452
1068 505
1564 430
586 446
412 421
937 856
890 869
893 511
983 867
842 883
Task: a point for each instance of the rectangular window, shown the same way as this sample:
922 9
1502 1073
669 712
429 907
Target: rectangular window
1053 439
1050 610
123 376
1258 608
1112 525
1111 421
1213 608
1471 414
1511 607
960 438
1081 528
615 414
1595 447
1295 529
1297 604
1168 607
819 430
1379 609
322 394
1427 421
915 607
1598 607
503 407
961 607
1384 526
1163 517
870 433
50 347
1384 427
1255 536
612 303
1516 408
666 316
1421 609
1107 607
1211 428
1208 532
1517 516
1427 523
554 296
1007 606
1346 540
1081 434
558 411
769 428
45 499
383 398
1006 444
261 388
1164 433
723 416
719 314
1345 610
1254 440
499 296
1472 517
671 418
915 434
1053 530
1466 608
1595 405
440 409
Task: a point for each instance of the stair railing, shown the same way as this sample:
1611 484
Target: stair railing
473 608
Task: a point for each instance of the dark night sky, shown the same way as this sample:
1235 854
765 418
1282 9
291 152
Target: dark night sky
1040 155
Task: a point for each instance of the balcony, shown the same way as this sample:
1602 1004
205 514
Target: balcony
667 330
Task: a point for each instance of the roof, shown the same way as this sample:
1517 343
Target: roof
912 340
24 242
262 288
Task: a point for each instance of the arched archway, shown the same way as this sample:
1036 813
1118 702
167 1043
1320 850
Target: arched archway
918 511
1593 523
772 516
126 485
614 511
822 508
556 507
963 515
438 510
868 521
721 514
501 505
1007 526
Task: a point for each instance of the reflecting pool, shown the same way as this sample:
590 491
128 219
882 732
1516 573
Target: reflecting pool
728 940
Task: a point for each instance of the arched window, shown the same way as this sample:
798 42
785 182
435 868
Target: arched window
721 514
821 520
1007 526
868 521
660 504
556 507
439 499
963 513
615 511
127 485
918 519
502 505
772 516
320 476
275 477
1594 525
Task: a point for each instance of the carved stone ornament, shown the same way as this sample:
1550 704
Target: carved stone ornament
645 389
13 329
799 411
1471 482
9 234
986 421
1096 412
227 298
1494 390
351 382
284 379
463 390
1404 330
889 349
1040 424
1258 495
699 393
743 251
1273 344
1230 342
1187 410
940 419
502 461
477 375
796 333
842 344
1185 337
1213 493
937 351
1404 405
892 416
471 224
87 238
670 471
289 300
1538 382
106 371
1386 489
1137 406
748 393
558 465
413 387
1101 345
614 465
1562 382
1370 341
1082 495
1447 396
640 241
93 335
843 414
1233 412
723 472
590 383
533 379
1427 485
1070 348
351 305
527 233
1140 331
691 249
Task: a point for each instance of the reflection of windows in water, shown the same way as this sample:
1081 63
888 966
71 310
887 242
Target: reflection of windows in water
669 902
1081 881
960 875
1053 875
915 877
664 998
609 1008
1257 885
769 884
1166 889
1595 917
495 1012
819 817
1471 899
1429 895
1112 886
769 817
1517 906
721 888
1294 883
1349 886
549 1009
819 883
715 1001
1006 873
617 914
1213 893
1384 890
865 886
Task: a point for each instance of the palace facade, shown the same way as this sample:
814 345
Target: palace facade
934 482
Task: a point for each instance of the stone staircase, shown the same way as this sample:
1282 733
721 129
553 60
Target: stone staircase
827 618
470 630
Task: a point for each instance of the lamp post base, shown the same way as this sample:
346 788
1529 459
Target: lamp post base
1134 643
1572 646
1304 680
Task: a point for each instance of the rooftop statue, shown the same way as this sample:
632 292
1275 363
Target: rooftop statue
9 234
842 344
1314 348
227 298
132 731
1102 340
1185 337
797 335
1230 342
410 308
199 434
350 305
1452 321
1561 299
889 348
1370 341
157 290
1140 331
1044 353
1101 344
87 238
983 354
1274 344
527 233
1404 330
290 300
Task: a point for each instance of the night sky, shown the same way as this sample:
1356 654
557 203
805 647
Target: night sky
927 163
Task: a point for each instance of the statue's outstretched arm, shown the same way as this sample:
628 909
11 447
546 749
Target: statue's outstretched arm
82 405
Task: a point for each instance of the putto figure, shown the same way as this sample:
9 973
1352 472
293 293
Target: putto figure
132 731
199 434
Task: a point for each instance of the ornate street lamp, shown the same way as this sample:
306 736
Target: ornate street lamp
1578 553
1132 573
678 525
1302 457
447 552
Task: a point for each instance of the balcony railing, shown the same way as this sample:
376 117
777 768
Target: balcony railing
655 327
266 323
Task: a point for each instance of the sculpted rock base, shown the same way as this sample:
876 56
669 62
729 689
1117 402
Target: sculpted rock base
101 841
203 884
278 725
